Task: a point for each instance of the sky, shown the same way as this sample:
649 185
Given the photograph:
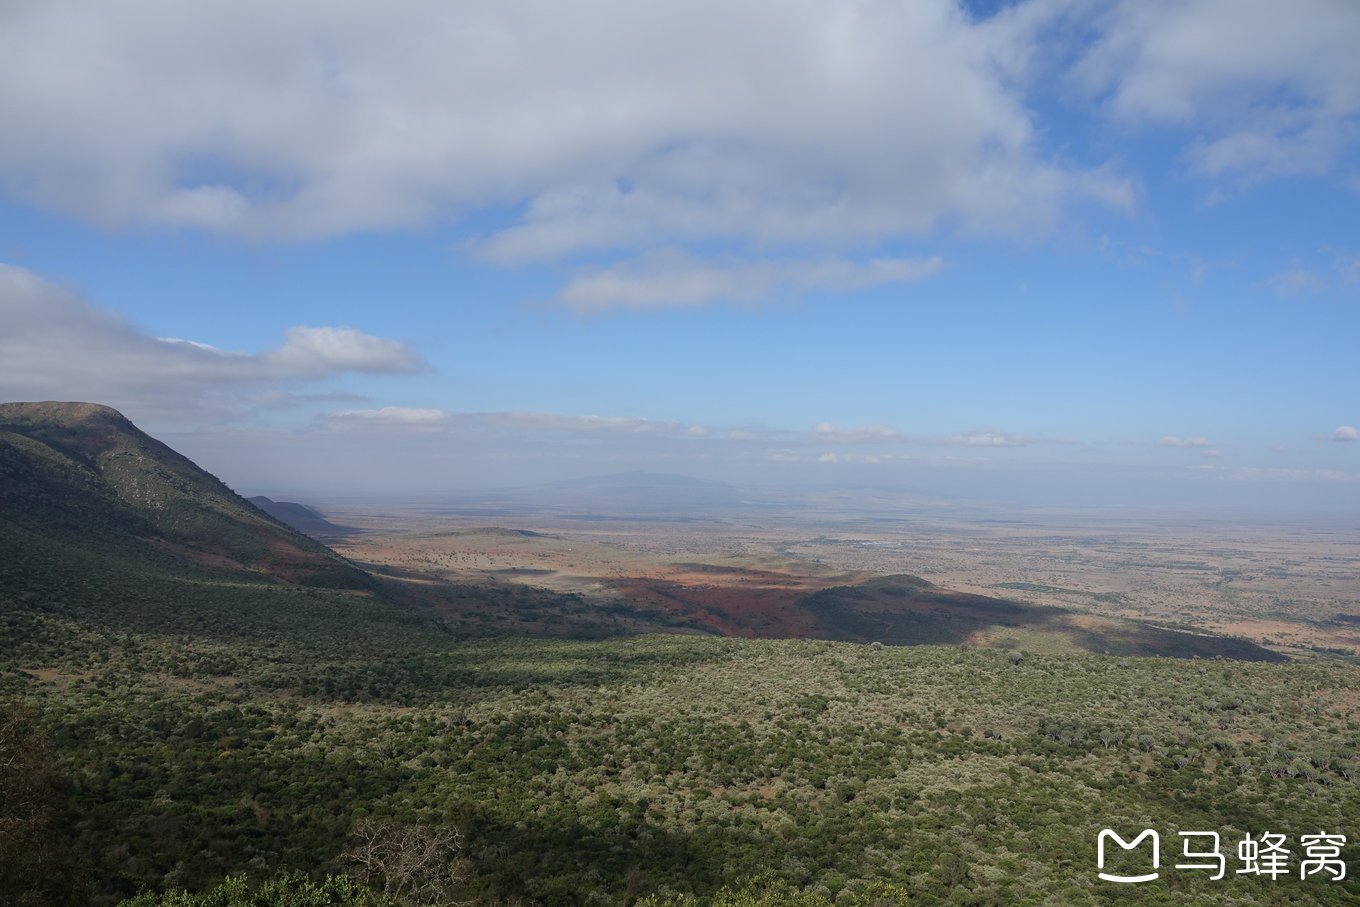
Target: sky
1098 252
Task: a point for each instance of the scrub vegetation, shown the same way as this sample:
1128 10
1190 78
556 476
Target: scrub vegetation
659 767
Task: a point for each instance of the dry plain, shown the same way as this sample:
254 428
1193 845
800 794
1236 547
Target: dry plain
1291 585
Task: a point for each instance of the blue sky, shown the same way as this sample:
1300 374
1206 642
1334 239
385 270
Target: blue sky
1052 251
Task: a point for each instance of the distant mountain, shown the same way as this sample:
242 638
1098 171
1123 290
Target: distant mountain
80 475
301 517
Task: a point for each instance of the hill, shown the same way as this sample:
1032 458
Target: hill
82 475
304 519
104 523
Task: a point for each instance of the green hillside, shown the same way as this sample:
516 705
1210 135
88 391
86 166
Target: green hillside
678 766
85 476
102 524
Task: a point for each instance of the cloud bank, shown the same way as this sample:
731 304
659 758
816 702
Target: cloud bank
516 422
1266 89
1173 441
787 132
55 345
673 277
614 125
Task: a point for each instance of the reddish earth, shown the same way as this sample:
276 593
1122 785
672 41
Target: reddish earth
513 580
730 595
744 603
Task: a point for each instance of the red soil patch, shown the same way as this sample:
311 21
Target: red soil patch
751 603
735 598
757 613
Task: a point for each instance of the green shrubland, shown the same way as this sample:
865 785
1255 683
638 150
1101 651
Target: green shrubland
666 768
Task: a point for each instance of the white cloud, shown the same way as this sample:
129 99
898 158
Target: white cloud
1345 433
1296 280
277 399
1267 88
986 437
390 417
554 422
325 350
1172 441
55 345
317 352
210 207
614 124
1262 474
509 424
608 127
673 277
825 431
1348 266
869 459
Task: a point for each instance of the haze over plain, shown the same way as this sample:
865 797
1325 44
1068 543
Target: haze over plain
1047 252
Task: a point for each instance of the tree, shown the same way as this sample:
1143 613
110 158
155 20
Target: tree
289 891
30 790
409 863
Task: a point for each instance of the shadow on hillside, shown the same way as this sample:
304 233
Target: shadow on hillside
908 611
565 860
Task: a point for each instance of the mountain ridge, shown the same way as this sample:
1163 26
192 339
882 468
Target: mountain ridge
102 522
307 520
84 473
